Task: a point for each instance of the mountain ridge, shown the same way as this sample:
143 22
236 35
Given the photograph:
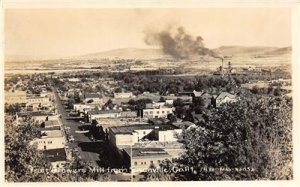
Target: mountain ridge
154 53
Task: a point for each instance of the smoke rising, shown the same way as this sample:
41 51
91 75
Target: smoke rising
179 45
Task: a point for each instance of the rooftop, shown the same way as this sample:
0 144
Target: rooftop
130 129
52 123
50 128
182 124
103 111
91 95
55 155
51 133
197 94
37 113
148 152
222 95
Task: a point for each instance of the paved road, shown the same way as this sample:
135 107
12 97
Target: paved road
91 157
88 150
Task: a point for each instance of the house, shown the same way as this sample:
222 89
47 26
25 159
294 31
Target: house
225 97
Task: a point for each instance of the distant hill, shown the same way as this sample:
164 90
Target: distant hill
157 53
148 53
252 50
280 51
128 53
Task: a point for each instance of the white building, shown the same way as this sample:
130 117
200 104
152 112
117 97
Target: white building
73 79
123 95
52 136
143 158
157 112
123 136
83 107
38 100
50 139
94 115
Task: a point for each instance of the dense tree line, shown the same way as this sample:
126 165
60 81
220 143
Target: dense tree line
240 141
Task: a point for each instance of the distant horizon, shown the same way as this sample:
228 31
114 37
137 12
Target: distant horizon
109 50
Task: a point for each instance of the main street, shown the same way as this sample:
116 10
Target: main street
88 156
88 150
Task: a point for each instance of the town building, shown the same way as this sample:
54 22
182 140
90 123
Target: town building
129 135
73 79
32 100
123 95
38 116
157 110
57 157
144 158
52 136
98 114
80 107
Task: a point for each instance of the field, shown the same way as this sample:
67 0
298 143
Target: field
240 57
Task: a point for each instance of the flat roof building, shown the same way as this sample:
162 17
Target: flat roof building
142 159
129 135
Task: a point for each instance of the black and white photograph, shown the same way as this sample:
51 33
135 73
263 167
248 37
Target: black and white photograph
148 94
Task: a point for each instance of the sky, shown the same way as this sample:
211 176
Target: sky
51 33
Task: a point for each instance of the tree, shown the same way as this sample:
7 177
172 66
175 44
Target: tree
277 91
178 102
248 140
162 99
172 118
131 102
23 159
13 108
118 90
19 156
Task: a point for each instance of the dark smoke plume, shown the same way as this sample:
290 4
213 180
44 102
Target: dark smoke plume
180 45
